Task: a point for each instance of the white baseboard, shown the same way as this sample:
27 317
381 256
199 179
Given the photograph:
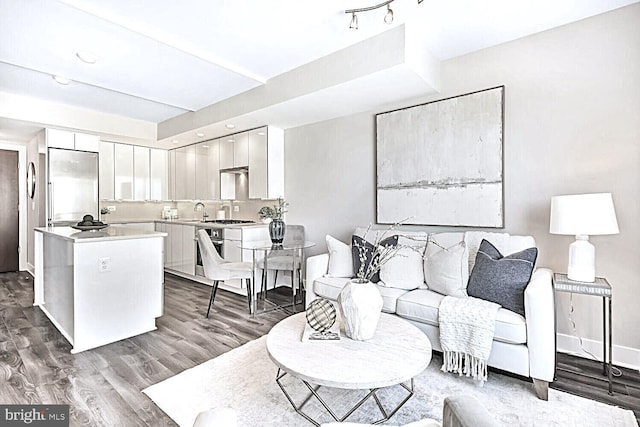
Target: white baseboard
622 356
31 270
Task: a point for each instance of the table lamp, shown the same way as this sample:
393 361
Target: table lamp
583 215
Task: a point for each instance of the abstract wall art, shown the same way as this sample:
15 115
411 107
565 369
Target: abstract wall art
441 163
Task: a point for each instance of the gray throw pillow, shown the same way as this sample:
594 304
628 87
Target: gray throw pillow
502 279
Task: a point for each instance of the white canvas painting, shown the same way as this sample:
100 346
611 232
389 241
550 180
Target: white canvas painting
441 163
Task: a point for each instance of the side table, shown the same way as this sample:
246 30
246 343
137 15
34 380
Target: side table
600 287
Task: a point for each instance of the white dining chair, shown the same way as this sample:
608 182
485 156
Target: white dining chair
216 269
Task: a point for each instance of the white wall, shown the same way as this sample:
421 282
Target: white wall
572 124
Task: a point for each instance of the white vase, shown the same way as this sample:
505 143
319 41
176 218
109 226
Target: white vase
360 306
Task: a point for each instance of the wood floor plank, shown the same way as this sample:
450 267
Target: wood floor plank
104 386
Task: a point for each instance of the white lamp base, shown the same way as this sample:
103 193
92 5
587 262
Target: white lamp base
582 256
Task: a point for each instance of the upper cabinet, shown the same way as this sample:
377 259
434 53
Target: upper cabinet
266 163
141 172
201 171
158 174
73 140
123 171
130 172
226 152
241 150
185 183
105 170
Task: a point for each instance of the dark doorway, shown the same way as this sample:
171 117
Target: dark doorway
9 216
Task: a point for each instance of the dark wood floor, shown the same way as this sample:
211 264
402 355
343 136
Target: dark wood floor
103 386
584 377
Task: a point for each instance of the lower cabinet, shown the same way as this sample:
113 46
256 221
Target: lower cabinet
179 250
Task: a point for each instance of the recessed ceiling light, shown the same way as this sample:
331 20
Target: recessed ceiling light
230 140
175 141
62 80
230 126
205 146
261 133
200 134
87 57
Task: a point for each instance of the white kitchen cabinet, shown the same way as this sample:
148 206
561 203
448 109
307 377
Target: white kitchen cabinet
60 139
86 142
175 236
202 171
241 150
226 152
185 182
158 174
266 163
227 186
106 172
188 265
213 170
141 172
123 171
72 140
171 191
162 227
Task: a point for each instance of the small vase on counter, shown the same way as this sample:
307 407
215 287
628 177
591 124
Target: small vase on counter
360 306
277 227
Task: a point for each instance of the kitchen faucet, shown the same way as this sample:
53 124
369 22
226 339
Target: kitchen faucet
204 212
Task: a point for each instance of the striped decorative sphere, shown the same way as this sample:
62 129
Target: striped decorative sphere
321 315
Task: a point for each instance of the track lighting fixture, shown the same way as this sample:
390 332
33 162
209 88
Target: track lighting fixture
354 22
388 17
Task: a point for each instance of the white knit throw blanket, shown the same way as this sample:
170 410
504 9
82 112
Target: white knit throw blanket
467 326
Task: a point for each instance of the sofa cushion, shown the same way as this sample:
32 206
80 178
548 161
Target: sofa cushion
502 279
421 305
340 258
403 270
363 255
330 287
445 268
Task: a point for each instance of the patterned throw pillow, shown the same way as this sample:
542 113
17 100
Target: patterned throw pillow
502 279
368 253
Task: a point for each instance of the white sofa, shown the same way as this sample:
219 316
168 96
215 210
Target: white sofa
522 345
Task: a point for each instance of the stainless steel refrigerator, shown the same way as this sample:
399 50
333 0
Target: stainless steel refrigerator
72 186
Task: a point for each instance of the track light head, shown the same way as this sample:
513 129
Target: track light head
388 18
354 22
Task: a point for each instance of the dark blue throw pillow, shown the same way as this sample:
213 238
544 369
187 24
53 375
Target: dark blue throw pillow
502 279
389 241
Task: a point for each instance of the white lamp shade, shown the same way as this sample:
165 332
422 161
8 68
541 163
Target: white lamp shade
583 214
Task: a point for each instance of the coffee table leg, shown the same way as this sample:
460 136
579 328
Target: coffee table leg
314 393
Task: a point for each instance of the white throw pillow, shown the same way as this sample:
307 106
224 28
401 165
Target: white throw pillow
446 270
340 258
403 270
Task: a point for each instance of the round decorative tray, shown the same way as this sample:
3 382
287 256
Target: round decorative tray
89 227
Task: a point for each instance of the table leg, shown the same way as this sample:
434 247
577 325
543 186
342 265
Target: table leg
252 288
604 336
610 347
293 278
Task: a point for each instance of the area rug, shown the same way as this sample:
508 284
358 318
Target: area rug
244 379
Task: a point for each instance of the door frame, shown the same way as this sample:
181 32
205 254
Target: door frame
22 198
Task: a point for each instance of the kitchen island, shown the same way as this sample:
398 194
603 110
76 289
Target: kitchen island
102 286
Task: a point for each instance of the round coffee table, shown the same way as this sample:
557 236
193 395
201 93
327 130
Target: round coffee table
396 354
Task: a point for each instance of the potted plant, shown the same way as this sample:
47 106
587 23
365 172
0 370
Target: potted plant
277 226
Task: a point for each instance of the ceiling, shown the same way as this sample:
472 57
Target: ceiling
158 60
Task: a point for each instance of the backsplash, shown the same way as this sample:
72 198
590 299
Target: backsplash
131 211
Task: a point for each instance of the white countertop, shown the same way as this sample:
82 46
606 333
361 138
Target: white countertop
112 232
186 221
